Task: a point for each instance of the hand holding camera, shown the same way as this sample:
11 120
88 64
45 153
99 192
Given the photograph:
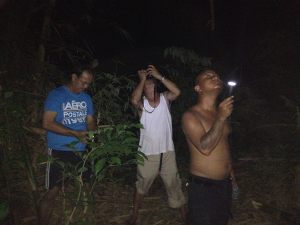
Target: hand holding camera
142 74
153 72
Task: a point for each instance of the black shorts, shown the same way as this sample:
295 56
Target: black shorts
209 201
61 160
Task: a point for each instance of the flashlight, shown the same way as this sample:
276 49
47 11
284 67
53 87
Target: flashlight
231 84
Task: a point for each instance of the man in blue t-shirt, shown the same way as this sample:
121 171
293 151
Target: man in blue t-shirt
68 115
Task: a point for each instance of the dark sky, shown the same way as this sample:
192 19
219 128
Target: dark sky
155 23
244 29
113 27
240 24
168 23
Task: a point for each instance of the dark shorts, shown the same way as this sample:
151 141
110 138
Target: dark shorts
62 161
209 201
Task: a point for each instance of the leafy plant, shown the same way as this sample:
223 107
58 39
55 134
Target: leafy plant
111 98
18 174
110 147
188 58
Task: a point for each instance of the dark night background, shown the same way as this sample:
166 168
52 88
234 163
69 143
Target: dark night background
248 35
255 42
245 34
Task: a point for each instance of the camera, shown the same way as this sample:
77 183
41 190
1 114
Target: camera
149 77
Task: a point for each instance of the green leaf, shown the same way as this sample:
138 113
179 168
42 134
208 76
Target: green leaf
4 209
99 165
130 140
116 160
72 144
141 158
91 134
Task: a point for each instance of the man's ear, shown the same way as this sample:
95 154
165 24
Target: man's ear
74 76
197 88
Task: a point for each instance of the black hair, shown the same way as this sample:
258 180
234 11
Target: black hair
202 71
77 69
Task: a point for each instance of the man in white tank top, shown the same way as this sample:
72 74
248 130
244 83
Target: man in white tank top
156 139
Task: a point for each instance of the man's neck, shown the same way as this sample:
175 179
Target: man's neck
154 98
71 88
207 102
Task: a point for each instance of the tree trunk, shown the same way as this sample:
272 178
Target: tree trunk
39 78
44 35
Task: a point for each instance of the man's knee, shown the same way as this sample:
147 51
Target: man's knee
176 198
143 186
171 180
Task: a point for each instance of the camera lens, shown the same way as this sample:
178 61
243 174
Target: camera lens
149 77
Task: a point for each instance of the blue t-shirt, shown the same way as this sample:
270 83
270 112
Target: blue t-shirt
72 110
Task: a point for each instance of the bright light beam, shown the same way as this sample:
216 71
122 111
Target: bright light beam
231 83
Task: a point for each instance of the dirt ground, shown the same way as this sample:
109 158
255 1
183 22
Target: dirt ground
113 204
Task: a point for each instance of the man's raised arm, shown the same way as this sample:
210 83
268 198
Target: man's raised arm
138 91
173 91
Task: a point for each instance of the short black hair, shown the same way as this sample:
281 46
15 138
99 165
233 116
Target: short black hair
77 69
202 71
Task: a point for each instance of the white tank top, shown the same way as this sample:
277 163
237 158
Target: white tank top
156 136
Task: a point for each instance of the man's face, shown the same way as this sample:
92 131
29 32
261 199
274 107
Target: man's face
81 82
208 81
149 88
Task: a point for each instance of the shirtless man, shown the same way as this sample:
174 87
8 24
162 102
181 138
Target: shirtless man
206 129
